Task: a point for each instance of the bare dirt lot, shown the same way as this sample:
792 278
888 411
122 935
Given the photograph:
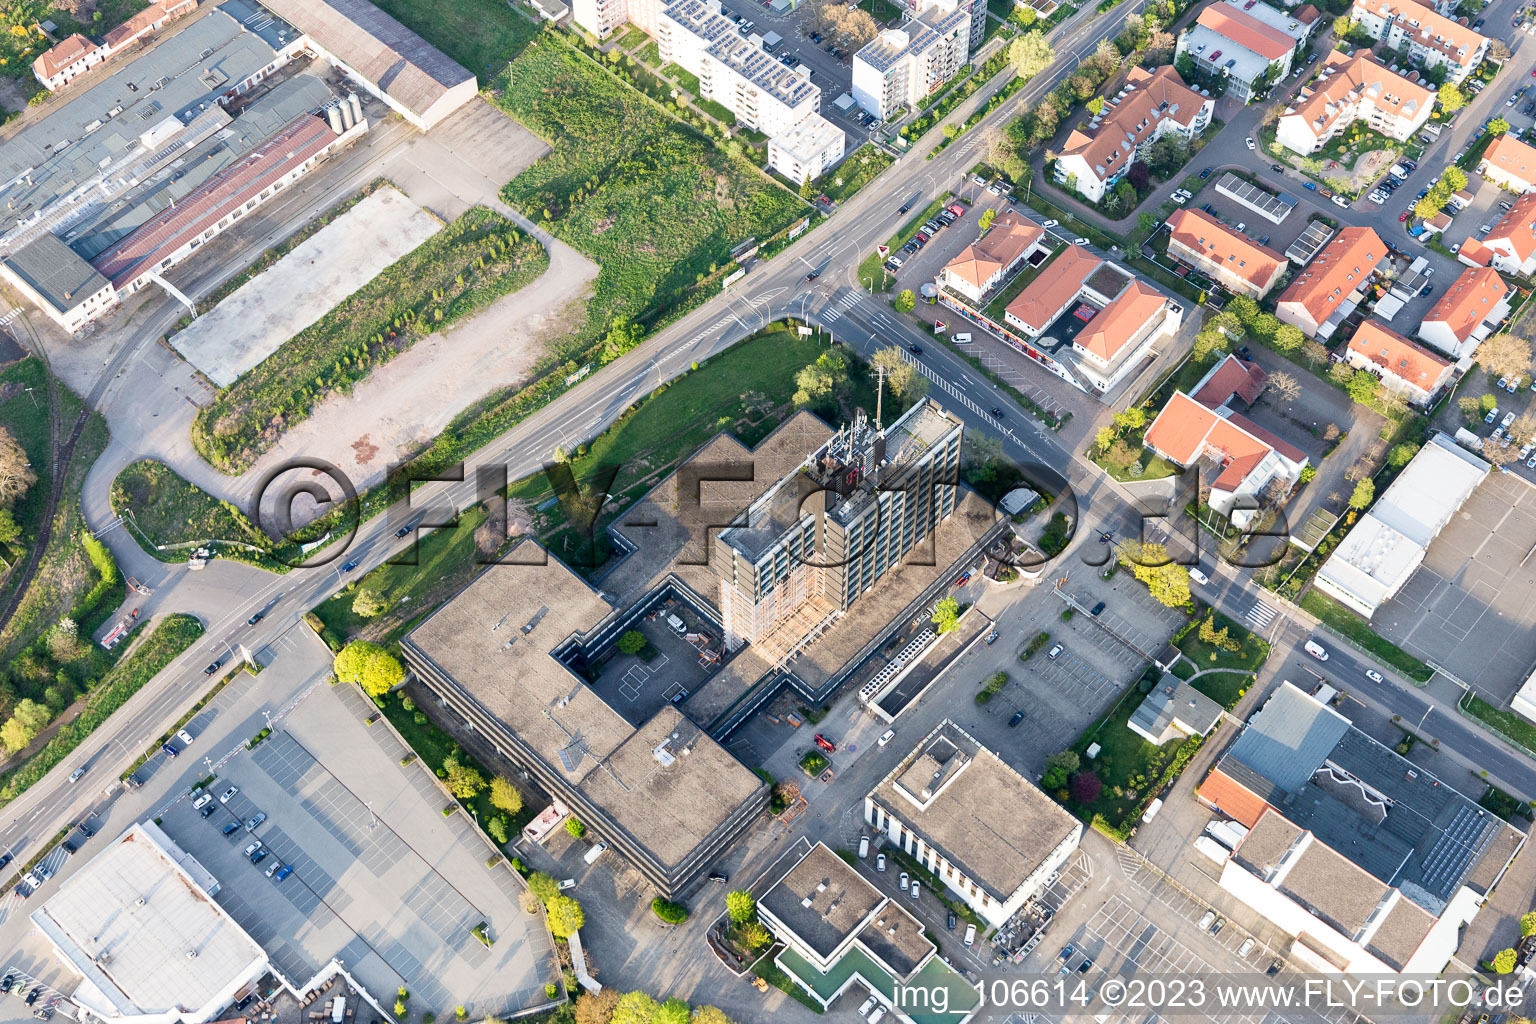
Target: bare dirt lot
304 285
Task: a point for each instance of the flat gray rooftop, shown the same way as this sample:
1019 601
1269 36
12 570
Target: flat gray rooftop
840 900
980 814
495 639
55 271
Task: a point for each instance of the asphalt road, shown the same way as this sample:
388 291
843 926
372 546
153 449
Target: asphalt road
225 594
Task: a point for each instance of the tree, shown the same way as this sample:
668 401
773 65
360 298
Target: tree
27 720
10 530
1365 493
906 301
1030 54
1095 106
1313 351
1285 385
463 780
712 1014
370 666
1165 580
369 601
623 335
987 217
596 1007
1498 126
632 642
1133 418
1528 924
16 474
1121 456
1499 454
497 827
946 615
565 917
543 886
807 190
1086 787
1342 26
753 934
823 377
1428 207
1523 430
1184 64
901 376
1451 98
1362 386
1140 176
1209 344
673 1011
1159 47
1505 355
1243 307
1454 178
1058 767
64 641
575 828
505 796
740 905
1103 439
1504 961
1289 338
1402 454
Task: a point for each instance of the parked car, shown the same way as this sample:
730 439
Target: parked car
256 820
258 856
255 845
1248 141
230 829
169 750
206 811
1018 716
879 862
203 800
1097 608
1066 952
229 793
901 883
283 872
1055 652
1207 919
1205 173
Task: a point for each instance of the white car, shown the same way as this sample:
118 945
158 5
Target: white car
1198 576
253 848
202 801
184 736
567 883
1250 142
1080 241
228 794
1340 201
879 862
1373 675
1050 223
886 737
1531 462
1205 922
1055 652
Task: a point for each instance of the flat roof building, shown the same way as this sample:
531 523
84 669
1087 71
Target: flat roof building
1388 543
1371 863
989 833
416 79
138 923
57 281
902 66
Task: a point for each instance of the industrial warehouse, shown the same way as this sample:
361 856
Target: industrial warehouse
152 157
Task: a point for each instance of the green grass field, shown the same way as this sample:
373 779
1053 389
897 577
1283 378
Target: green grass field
1506 723
1341 620
167 510
654 204
632 38
464 267
862 166
482 35
683 77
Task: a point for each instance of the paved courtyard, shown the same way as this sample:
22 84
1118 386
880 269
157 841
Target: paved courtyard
251 323
1471 607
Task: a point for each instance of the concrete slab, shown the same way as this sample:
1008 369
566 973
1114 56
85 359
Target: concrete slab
304 285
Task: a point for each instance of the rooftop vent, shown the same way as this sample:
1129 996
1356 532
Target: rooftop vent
806 902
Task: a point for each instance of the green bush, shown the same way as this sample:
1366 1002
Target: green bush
1035 646
672 913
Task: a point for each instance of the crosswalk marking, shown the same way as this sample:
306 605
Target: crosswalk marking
1260 615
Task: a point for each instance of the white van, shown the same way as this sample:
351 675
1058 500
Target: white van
677 624
1198 576
1212 849
1315 649
1227 833
863 847
962 339
1151 811
596 852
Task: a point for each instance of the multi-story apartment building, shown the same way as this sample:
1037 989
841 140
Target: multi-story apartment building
808 150
1510 164
1431 37
901 66
1331 286
739 74
1410 370
1510 246
1238 263
1154 104
977 9
1472 308
1350 88
989 834
825 534
1251 45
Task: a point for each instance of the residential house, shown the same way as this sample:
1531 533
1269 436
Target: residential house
1251 45
1174 710
1154 104
1431 38
75 54
1509 164
1510 246
1351 88
994 257
1410 370
1232 259
1330 287
1240 461
903 66
1472 308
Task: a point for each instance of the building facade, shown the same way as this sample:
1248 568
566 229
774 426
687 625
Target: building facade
76 54
902 66
1404 368
1430 37
1351 88
1510 164
1154 105
1251 46
984 265
1232 259
1471 309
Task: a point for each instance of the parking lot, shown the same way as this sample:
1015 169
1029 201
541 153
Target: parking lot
379 877
1471 606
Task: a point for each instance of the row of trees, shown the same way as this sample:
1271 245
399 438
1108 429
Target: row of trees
609 1007
828 378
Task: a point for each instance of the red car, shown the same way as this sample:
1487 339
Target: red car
1402 216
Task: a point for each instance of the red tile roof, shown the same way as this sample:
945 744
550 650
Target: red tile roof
1517 227
1010 236
1231 377
1239 254
1121 321
226 191
1155 98
1185 430
1344 265
1397 355
1228 21
1470 300
59 57
1235 800
1048 294
1350 80
1513 157
1430 28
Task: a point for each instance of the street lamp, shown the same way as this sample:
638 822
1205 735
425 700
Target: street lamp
1426 717
268 716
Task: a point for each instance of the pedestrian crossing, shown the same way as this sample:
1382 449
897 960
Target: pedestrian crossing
831 313
1260 615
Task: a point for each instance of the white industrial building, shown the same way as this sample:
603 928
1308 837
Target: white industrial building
1378 556
808 150
987 832
901 66
140 926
